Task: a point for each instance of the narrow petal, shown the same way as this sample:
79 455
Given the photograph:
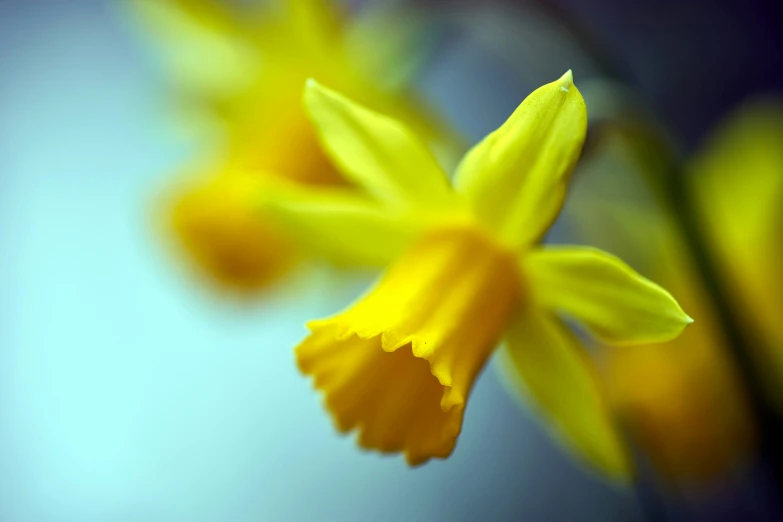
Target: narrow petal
516 177
737 184
340 225
391 42
546 365
375 151
202 44
317 24
617 304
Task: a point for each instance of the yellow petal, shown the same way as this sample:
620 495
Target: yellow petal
377 152
546 365
399 364
201 44
737 181
652 387
617 304
218 223
316 25
340 225
391 42
516 177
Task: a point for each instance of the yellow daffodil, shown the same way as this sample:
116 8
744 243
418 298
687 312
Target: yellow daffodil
241 71
466 271
737 181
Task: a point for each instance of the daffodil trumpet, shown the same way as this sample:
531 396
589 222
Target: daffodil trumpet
466 272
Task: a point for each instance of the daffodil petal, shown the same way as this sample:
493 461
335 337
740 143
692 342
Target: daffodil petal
737 184
617 304
545 364
201 44
317 24
516 177
376 151
391 42
340 225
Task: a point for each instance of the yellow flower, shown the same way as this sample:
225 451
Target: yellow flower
737 181
241 72
466 272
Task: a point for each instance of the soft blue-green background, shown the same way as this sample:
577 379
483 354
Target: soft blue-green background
128 395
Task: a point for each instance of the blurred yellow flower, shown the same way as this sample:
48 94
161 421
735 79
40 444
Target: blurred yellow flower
466 272
737 180
684 402
241 70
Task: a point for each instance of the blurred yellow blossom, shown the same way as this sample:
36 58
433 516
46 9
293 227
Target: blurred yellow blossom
683 402
466 272
737 180
241 70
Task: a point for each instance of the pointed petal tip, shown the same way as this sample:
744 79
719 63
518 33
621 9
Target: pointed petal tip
685 318
566 81
311 83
